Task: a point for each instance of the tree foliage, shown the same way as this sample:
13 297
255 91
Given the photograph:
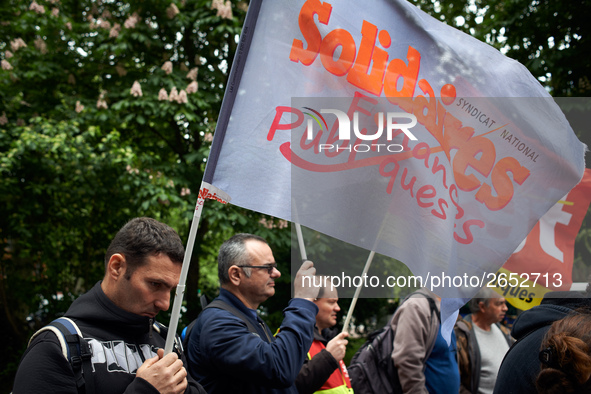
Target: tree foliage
550 38
107 110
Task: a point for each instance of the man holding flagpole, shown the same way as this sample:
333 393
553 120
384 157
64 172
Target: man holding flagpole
120 345
230 349
324 370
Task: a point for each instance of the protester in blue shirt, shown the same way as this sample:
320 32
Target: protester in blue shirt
225 356
425 363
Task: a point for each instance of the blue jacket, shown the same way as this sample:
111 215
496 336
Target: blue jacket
225 357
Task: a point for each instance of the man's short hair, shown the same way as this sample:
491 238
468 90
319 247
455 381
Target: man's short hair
324 283
142 237
484 295
233 252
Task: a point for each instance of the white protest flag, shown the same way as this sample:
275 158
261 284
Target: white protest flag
450 195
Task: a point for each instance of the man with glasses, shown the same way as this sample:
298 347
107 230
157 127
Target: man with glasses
230 348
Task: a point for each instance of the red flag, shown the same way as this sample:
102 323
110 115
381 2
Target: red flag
548 250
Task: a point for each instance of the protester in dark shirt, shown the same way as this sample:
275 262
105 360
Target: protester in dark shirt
529 331
324 369
565 356
116 317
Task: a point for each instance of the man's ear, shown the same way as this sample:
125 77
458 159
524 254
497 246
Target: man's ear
482 306
235 274
116 266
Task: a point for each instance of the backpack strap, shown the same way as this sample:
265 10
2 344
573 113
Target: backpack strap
236 312
74 348
227 307
185 333
432 305
433 309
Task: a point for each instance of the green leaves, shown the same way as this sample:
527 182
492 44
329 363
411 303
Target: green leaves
80 155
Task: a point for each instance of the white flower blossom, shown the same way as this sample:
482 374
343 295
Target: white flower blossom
131 21
243 5
8 54
225 10
114 33
174 95
55 12
40 45
172 11
208 137
69 25
6 65
182 99
79 107
162 95
37 8
104 24
266 223
136 89
132 170
192 74
101 103
192 87
185 191
167 67
16 44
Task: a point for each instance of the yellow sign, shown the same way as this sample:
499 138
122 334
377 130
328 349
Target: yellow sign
521 291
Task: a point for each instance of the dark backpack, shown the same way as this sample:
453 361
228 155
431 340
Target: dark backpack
372 370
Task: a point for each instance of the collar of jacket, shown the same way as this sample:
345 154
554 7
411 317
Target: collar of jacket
94 308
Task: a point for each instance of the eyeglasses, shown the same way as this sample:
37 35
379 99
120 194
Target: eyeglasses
268 267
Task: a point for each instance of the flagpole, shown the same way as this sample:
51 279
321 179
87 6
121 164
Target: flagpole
223 119
357 291
365 269
301 242
206 191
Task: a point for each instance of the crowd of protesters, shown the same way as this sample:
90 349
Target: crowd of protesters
117 345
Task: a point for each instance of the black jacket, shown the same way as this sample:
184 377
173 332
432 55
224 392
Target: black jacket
120 342
469 358
316 371
521 365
